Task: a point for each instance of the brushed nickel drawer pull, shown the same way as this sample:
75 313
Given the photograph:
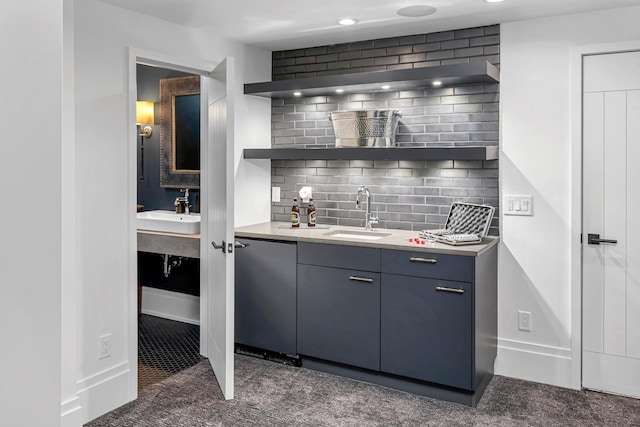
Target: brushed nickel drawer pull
444 289
425 260
361 279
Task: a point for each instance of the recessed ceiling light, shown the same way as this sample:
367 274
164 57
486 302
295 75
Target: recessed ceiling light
348 21
416 11
437 83
339 90
297 93
385 87
493 1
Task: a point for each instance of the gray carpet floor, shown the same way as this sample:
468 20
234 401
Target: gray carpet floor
272 394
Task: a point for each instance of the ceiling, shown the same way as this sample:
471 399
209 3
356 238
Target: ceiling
290 24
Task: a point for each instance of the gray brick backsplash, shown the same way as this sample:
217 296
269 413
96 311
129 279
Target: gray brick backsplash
399 208
374 172
350 55
371 53
467 108
427 47
469 32
409 194
441 36
455 44
492 50
435 55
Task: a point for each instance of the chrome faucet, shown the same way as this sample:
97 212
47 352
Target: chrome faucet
182 201
369 218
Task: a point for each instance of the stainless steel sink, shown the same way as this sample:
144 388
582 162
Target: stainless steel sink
361 235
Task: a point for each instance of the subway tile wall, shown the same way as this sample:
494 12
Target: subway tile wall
407 194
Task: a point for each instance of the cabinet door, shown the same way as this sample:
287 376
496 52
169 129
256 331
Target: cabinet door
265 299
426 329
339 315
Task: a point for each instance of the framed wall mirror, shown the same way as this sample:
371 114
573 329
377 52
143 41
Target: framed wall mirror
180 132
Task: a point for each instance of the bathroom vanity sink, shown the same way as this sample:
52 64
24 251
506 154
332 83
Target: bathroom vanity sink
362 235
168 222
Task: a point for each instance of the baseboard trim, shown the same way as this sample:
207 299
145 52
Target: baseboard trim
534 362
171 305
104 391
71 412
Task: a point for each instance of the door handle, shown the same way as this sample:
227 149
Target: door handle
240 245
223 246
594 239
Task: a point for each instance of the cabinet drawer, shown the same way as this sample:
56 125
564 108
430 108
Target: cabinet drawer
339 315
351 257
426 330
425 264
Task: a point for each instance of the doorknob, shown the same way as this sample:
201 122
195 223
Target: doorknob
223 246
594 239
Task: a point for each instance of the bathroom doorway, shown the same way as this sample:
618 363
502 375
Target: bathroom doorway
217 129
168 284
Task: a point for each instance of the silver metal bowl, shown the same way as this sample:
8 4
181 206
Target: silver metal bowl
365 128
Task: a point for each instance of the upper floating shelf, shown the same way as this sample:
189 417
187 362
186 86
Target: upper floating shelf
392 153
448 75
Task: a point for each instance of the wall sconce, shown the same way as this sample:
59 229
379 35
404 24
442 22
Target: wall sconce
144 118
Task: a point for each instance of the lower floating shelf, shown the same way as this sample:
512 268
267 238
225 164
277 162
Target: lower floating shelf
409 153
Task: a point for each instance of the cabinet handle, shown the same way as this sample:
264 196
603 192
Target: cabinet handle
454 290
361 279
425 260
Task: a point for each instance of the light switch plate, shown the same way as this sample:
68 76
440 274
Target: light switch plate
275 194
517 205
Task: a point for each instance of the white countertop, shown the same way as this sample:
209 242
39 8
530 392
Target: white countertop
397 239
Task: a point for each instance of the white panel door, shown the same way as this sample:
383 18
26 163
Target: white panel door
611 228
217 235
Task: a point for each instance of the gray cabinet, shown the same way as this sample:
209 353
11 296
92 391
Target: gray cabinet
439 317
338 307
265 298
415 321
426 329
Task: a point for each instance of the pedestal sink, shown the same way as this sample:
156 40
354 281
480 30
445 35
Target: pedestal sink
168 222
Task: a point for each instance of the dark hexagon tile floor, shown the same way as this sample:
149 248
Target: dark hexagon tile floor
165 347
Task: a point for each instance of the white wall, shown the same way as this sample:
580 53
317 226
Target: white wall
536 139
103 34
30 230
70 406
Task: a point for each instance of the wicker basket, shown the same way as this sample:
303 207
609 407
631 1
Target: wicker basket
365 128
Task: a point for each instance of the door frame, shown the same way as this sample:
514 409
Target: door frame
577 54
157 59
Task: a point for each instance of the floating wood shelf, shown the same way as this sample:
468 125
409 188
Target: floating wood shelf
448 75
410 153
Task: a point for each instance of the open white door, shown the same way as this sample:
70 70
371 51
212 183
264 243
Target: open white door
217 234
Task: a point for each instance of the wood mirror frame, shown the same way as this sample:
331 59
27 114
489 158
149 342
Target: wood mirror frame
170 131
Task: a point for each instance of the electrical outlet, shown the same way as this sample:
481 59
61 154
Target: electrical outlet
275 194
105 346
524 320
